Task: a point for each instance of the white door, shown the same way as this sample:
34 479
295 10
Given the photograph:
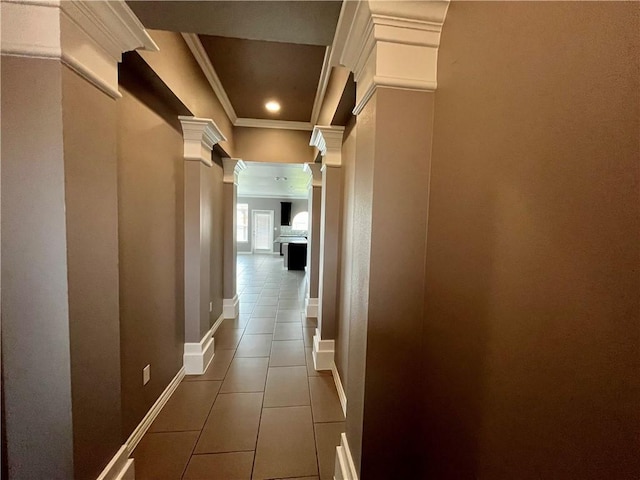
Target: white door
263 231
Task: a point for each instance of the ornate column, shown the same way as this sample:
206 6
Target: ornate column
200 135
313 253
232 167
392 49
329 141
60 281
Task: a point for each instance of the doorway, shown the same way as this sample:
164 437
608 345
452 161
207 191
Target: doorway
262 239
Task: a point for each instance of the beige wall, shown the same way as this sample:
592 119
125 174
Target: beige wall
177 68
150 180
217 238
531 334
91 201
273 145
346 259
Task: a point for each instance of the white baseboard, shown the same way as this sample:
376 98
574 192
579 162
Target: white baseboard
198 356
311 307
323 352
231 307
121 467
341 393
345 468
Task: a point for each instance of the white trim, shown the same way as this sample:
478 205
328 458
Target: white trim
311 307
264 195
389 44
231 307
153 412
87 36
120 467
200 54
199 135
328 140
323 82
341 393
278 124
272 217
345 468
198 356
323 352
231 168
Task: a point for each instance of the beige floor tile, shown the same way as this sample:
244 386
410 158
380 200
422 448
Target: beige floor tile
324 399
260 325
220 466
163 455
188 407
286 445
227 338
254 346
270 292
246 375
289 303
307 335
237 323
311 371
249 297
232 425
309 322
264 310
287 331
287 353
270 301
217 368
288 316
289 294
327 439
286 387
246 307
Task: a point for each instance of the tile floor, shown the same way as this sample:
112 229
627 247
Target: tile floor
260 411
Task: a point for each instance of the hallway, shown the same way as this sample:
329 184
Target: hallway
260 411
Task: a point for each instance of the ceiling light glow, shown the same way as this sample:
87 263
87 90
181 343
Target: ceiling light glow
272 106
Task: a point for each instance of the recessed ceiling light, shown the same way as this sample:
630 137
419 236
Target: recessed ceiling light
280 179
272 106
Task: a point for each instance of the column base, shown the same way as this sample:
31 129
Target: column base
323 352
311 307
231 307
198 356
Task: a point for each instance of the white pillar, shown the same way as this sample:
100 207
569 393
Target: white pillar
200 135
329 141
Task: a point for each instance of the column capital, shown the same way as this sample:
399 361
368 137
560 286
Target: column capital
232 167
86 35
328 139
391 44
315 179
200 135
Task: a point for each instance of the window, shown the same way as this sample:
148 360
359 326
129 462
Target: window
300 221
242 222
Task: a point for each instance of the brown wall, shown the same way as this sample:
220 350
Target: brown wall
91 201
273 145
346 259
35 311
217 238
531 333
177 68
150 181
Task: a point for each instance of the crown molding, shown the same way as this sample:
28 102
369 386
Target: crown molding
328 140
271 195
231 169
315 175
199 53
200 135
321 90
391 44
87 36
278 124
